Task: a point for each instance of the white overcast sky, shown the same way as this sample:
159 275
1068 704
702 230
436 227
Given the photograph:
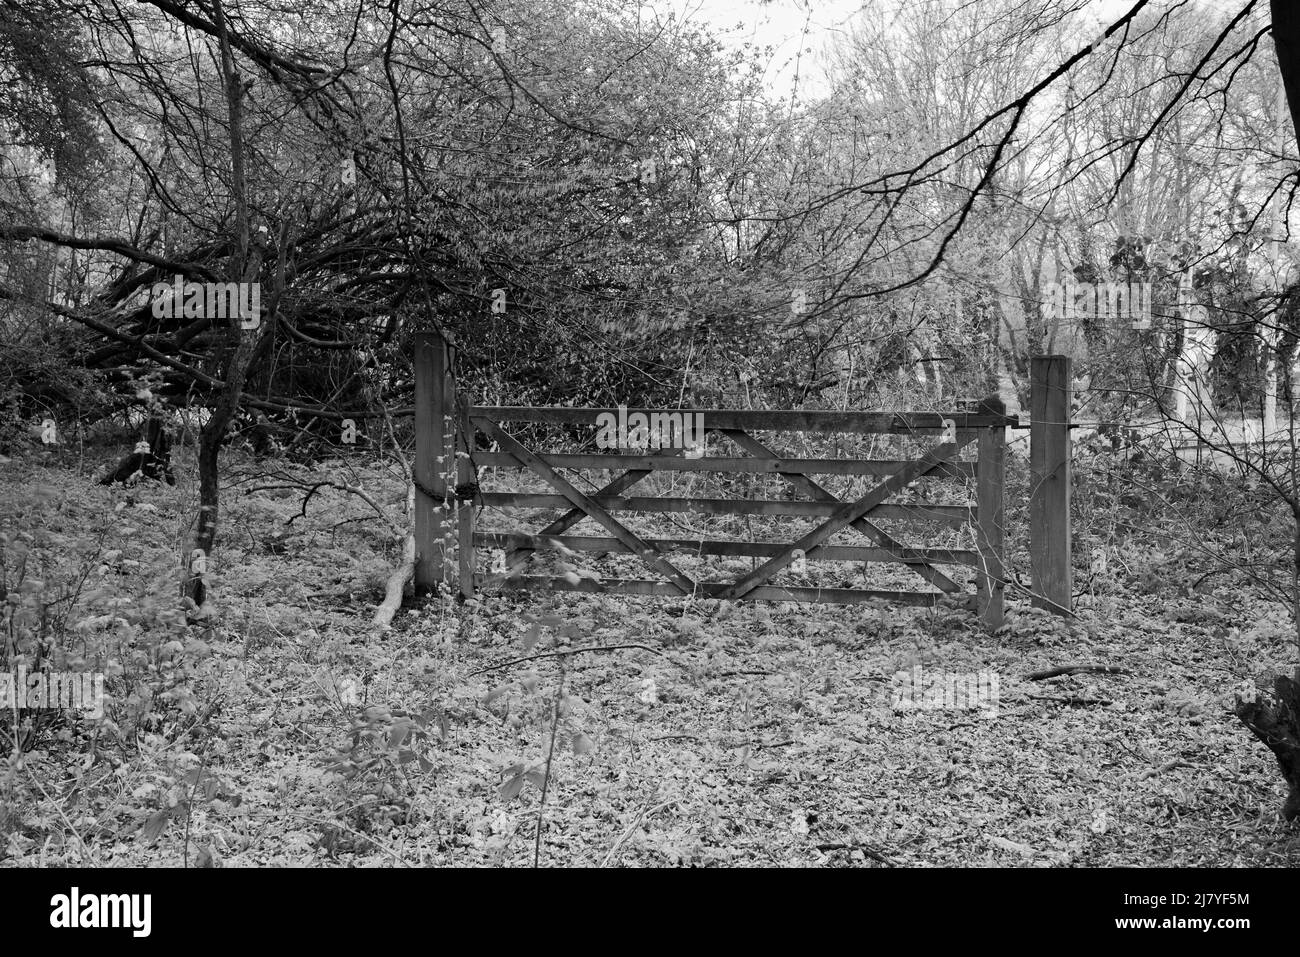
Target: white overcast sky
794 25
780 24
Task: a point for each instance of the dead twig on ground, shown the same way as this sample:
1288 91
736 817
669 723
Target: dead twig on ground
1073 702
1074 670
559 653
869 851
1167 766
378 845
646 811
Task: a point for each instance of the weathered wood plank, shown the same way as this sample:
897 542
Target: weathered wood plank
898 423
1049 483
432 512
757 465
464 510
953 515
989 526
632 586
822 553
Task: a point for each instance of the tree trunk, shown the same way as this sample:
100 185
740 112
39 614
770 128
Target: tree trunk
247 268
1275 720
1286 41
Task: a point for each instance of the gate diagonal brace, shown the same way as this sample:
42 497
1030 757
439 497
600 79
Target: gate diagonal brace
846 515
648 554
883 538
517 557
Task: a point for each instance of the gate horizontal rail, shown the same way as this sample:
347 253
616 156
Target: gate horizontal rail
954 515
721 463
822 553
784 420
645 586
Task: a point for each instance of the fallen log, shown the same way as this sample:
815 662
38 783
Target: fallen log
396 585
150 459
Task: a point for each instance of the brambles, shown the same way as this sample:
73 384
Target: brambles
375 768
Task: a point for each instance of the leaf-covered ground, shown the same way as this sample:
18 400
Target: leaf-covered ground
281 730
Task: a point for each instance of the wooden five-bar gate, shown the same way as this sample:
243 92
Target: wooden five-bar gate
448 493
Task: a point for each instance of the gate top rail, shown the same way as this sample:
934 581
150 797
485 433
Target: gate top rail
898 423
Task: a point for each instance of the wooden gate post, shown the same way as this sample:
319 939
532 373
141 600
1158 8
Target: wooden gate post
433 403
1050 393
990 517
465 495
